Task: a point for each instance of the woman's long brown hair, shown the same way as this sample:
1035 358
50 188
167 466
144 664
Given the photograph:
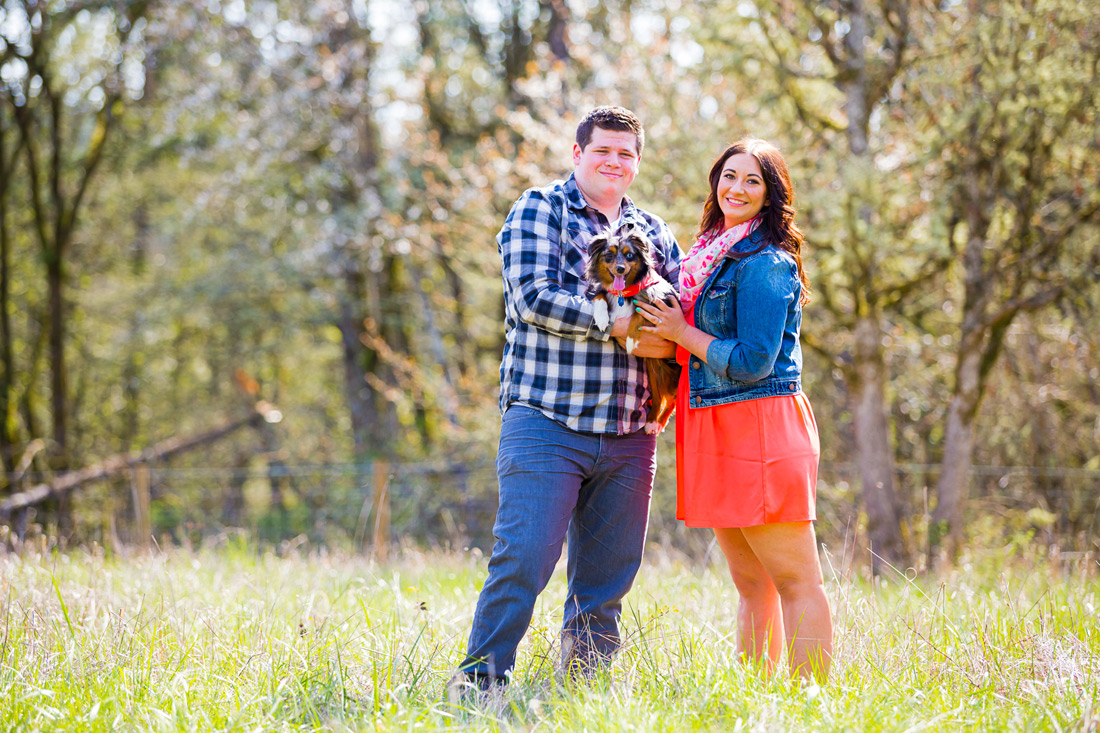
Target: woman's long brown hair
777 217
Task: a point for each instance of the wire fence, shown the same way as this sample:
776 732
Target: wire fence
453 503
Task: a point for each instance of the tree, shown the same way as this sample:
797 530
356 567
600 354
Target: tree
1018 139
8 162
838 65
64 124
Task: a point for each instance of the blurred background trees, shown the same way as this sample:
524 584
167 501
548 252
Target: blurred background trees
205 204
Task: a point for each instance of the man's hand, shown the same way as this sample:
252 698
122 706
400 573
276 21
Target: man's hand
649 346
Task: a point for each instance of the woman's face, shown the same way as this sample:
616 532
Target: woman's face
741 189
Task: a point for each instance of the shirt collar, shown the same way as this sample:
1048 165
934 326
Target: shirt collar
575 200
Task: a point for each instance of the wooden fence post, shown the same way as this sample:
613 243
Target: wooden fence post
380 507
140 486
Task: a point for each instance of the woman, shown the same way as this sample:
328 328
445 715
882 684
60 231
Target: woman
746 441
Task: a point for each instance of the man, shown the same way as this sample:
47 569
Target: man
574 459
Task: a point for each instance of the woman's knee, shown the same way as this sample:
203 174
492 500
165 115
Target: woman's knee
752 582
799 585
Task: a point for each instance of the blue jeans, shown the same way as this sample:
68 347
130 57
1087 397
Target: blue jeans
556 482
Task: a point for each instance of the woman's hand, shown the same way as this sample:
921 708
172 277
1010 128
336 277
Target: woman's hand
666 319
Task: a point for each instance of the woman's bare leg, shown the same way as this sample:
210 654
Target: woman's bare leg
788 554
759 615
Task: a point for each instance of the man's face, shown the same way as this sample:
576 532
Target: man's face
606 167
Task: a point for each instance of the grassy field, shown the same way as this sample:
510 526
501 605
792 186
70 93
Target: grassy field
238 639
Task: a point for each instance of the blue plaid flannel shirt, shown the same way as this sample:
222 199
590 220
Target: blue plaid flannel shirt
556 360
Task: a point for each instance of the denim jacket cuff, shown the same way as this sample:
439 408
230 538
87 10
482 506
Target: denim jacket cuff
719 353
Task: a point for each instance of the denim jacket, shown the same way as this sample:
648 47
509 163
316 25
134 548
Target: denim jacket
752 306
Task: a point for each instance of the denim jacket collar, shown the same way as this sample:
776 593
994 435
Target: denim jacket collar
756 240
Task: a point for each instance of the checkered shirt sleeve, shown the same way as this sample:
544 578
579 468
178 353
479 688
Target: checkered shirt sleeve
531 253
556 360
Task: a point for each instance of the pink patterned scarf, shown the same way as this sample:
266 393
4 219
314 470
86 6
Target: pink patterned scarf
705 255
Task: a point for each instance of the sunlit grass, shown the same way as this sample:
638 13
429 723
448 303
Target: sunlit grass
238 639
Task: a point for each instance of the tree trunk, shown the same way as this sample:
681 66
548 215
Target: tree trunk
874 455
557 32
359 394
458 294
234 502
7 360
28 398
448 398
59 398
874 448
958 438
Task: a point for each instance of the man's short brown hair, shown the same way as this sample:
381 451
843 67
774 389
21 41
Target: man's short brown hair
610 118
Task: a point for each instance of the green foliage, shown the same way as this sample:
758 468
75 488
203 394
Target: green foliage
234 639
304 198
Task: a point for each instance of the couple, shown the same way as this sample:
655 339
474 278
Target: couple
574 460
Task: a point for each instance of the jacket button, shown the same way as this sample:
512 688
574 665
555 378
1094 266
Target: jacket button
695 365
791 387
698 400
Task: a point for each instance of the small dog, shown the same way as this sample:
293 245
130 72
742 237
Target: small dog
621 269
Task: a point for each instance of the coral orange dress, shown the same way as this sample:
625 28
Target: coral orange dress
743 464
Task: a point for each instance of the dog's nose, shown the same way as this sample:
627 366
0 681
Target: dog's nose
620 269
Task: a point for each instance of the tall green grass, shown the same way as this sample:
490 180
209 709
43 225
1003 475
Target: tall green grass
239 639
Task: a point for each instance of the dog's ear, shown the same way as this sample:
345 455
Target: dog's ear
640 242
598 244
635 234
628 230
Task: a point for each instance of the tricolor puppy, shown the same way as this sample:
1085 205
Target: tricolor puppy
621 269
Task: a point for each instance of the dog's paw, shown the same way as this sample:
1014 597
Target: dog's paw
631 344
653 428
600 315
